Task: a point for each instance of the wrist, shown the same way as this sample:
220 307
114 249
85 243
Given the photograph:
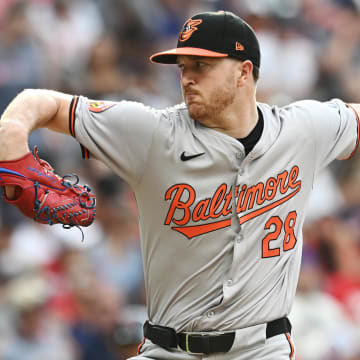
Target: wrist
13 139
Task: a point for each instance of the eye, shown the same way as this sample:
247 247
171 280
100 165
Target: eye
181 66
200 64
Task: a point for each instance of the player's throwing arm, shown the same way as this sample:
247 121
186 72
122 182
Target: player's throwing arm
29 182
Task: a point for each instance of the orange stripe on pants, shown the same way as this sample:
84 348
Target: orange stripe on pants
291 346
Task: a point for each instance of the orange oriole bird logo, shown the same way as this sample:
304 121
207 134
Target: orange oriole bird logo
189 29
100 106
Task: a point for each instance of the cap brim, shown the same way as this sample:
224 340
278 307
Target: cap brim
170 56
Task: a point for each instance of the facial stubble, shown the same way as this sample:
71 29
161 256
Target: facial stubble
220 98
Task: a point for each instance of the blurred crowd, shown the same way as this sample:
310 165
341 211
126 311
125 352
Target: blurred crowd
64 299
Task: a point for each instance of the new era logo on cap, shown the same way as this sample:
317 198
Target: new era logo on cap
214 34
239 46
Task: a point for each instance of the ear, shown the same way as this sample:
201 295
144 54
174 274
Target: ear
245 69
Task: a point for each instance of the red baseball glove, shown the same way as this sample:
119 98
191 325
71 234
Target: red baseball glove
45 196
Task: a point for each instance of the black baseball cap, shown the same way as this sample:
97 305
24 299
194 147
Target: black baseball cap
214 34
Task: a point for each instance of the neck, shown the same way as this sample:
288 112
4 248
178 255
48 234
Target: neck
237 120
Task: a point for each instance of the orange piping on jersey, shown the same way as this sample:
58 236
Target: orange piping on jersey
191 231
292 350
85 152
357 112
72 115
140 346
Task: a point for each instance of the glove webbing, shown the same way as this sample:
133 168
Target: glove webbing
45 212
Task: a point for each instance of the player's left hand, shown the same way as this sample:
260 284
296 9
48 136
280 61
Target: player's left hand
45 196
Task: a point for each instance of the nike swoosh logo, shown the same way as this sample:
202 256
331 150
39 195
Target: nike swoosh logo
184 157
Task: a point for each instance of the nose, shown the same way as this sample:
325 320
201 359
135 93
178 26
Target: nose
187 78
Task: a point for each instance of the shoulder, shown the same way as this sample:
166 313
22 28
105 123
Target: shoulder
169 113
115 107
302 115
136 108
314 107
131 112
306 110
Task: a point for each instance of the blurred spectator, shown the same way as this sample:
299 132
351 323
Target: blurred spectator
129 331
117 257
289 68
322 329
340 57
21 60
343 278
70 271
38 335
327 198
29 247
103 77
94 331
67 31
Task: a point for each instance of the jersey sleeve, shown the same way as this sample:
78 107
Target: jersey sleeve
116 133
333 126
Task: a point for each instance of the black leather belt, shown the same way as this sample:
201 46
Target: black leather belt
205 343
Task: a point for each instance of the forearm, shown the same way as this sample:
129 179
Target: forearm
30 110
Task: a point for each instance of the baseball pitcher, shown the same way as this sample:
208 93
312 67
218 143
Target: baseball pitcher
221 181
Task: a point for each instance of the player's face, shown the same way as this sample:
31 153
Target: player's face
208 86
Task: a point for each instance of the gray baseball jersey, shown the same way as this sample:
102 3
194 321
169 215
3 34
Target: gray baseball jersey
220 231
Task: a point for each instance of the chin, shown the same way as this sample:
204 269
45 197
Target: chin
196 111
